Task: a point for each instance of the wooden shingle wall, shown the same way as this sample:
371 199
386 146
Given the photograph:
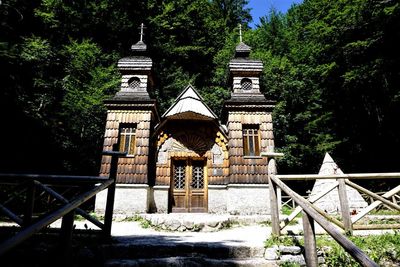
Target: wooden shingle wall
132 169
248 170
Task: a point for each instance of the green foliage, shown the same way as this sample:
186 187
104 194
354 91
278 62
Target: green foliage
332 66
59 59
282 240
382 249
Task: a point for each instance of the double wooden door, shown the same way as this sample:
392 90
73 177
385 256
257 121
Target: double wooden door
188 186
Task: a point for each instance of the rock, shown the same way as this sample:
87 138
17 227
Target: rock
212 224
321 260
189 225
174 225
271 254
294 250
299 259
181 228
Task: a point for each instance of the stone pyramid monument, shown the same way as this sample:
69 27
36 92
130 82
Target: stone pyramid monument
330 202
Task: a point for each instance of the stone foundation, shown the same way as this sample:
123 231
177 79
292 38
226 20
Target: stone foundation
244 199
129 199
235 199
217 199
159 198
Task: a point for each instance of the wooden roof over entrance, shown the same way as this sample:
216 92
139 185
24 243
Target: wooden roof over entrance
189 105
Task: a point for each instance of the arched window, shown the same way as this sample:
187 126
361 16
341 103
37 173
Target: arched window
246 84
134 83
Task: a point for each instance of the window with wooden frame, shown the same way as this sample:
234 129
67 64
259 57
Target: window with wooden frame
251 140
127 138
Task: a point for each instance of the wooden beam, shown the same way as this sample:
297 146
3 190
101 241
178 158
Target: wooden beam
81 212
310 245
374 205
326 216
306 177
372 194
312 199
67 227
344 206
11 215
111 193
29 202
273 198
376 226
349 246
10 178
51 217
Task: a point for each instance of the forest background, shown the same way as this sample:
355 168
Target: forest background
332 66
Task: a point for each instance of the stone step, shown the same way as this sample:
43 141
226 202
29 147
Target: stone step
189 261
141 250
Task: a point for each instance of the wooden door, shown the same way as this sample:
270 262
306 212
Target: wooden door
188 186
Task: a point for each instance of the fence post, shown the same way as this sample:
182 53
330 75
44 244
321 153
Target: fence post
273 199
111 193
29 203
309 240
67 227
344 206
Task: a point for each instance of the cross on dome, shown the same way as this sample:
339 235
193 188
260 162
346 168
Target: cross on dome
141 32
240 33
140 46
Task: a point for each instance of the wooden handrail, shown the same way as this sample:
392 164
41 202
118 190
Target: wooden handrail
14 178
349 246
69 208
289 177
50 218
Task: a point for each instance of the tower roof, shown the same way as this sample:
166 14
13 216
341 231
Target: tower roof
242 50
189 105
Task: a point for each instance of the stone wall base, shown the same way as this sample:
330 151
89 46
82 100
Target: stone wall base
245 199
129 199
235 199
239 199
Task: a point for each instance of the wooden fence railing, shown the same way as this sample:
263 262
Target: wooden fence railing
32 183
330 224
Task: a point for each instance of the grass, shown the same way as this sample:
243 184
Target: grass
78 217
383 249
286 210
384 212
283 241
144 223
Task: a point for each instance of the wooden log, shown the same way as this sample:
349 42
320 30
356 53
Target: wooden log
312 199
372 194
81 212
349 246
273 199
310 245
29 202
374 205
306 177
51 217
111 194
376 226
11 215
67 227
326 216
344 206
10 178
